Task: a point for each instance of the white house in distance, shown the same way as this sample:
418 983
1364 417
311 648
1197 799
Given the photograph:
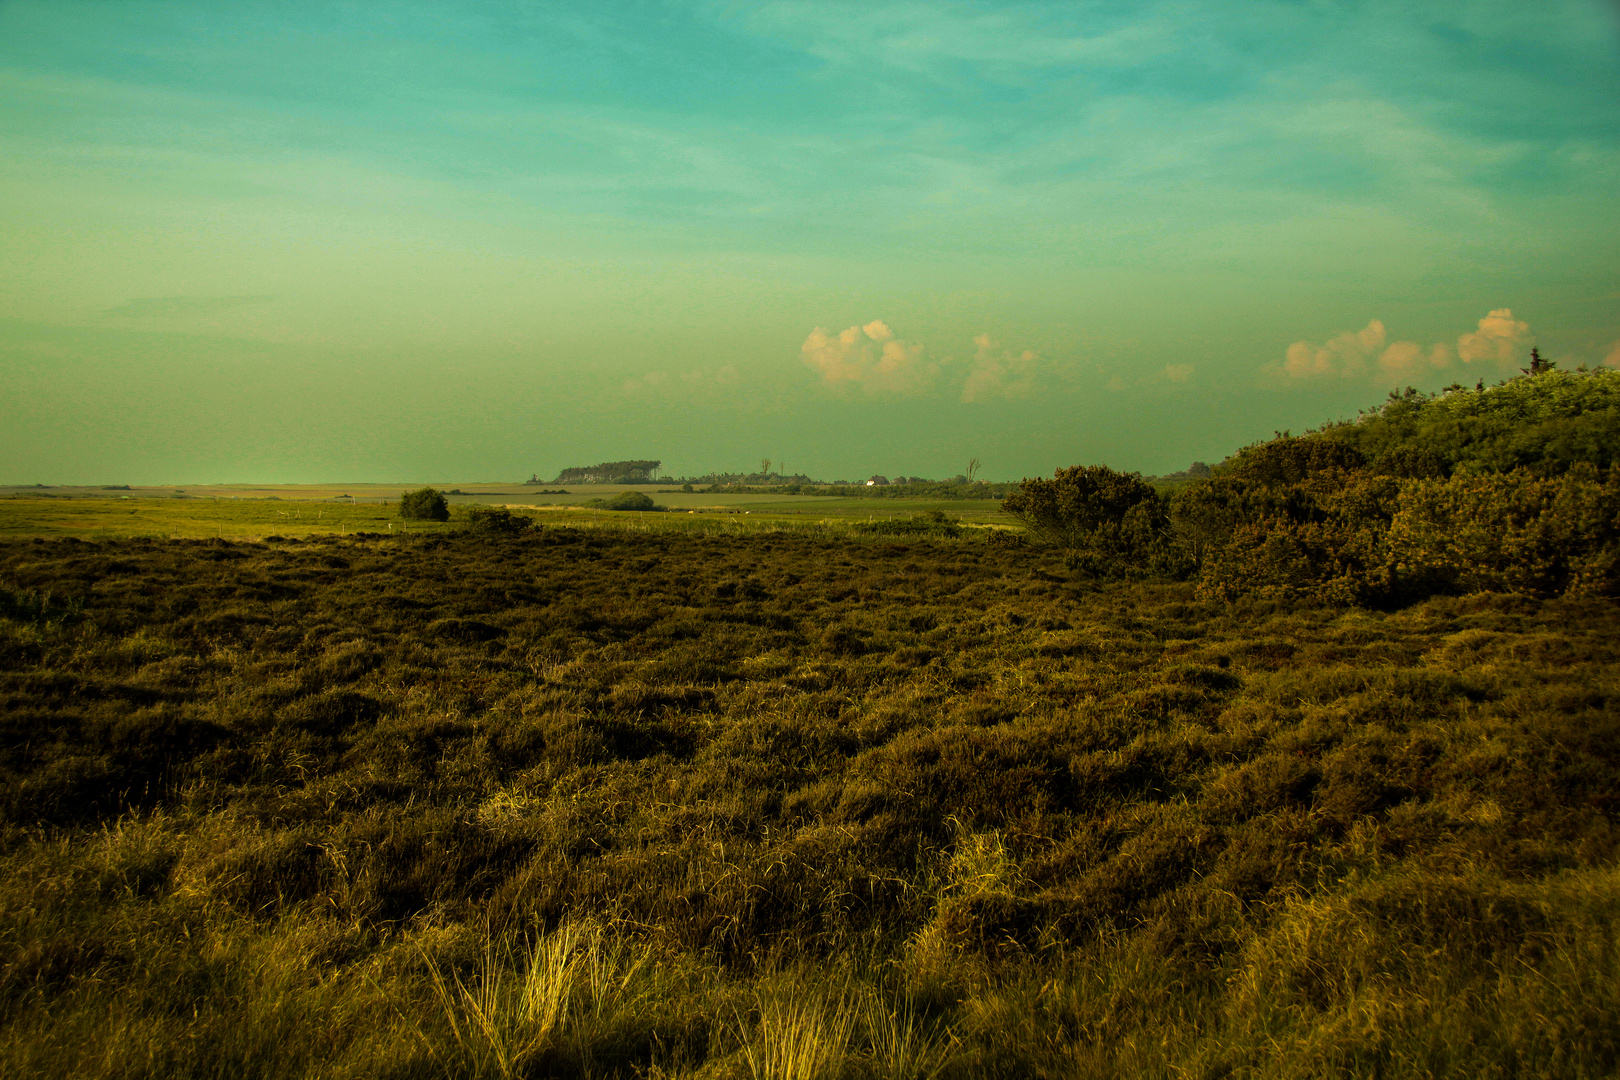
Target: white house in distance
877 481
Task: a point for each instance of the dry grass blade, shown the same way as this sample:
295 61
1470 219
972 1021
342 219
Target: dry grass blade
799 1039
904 1045
506 1019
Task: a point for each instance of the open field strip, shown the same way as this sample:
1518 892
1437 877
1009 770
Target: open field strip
323 511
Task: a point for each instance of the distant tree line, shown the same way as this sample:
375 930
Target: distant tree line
608 472
960 486
934 489
1509 488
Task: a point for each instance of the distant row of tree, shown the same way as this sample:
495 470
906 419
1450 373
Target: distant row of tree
646 472
1507 488
608 472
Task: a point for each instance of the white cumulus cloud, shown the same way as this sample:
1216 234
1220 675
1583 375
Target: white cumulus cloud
1500 337
1345 355
870 357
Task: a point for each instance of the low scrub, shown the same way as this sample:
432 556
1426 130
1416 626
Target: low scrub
497 521
604 803
931 523
626 500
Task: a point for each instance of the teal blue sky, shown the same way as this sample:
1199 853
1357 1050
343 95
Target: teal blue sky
290 242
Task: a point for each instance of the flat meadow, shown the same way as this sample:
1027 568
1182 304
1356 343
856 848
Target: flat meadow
763 795
241 512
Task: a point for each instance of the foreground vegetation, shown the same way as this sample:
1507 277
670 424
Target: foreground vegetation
591 802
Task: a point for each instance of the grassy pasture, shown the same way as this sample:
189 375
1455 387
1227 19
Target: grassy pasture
201 513
711 796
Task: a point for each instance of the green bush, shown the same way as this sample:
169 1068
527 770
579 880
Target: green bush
1287 460
1109 522
1549 423
1367 538
424 504
1509 533
497 521
625 500
1319 538
1499 489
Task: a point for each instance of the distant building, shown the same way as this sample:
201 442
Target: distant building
878 481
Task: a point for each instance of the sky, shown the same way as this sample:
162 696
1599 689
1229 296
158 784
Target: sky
299 242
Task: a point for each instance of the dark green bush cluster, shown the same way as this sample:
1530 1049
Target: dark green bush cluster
1549 423
1508 489
497 521
1351 533
1108 523
424 504
626 500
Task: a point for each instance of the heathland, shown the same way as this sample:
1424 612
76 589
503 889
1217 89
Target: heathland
1282 778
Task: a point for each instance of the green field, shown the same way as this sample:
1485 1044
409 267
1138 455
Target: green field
253 513
716 797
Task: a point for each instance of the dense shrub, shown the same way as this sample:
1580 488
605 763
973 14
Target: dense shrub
1108 522
1507 489
1512 532
1287 460
625 500
1549 423
424 504
497 521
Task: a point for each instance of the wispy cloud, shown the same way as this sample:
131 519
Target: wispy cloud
172 307
1178 372
694 379
1405 359
999 373
869 357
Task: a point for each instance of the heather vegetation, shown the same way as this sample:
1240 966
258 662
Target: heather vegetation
897 799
